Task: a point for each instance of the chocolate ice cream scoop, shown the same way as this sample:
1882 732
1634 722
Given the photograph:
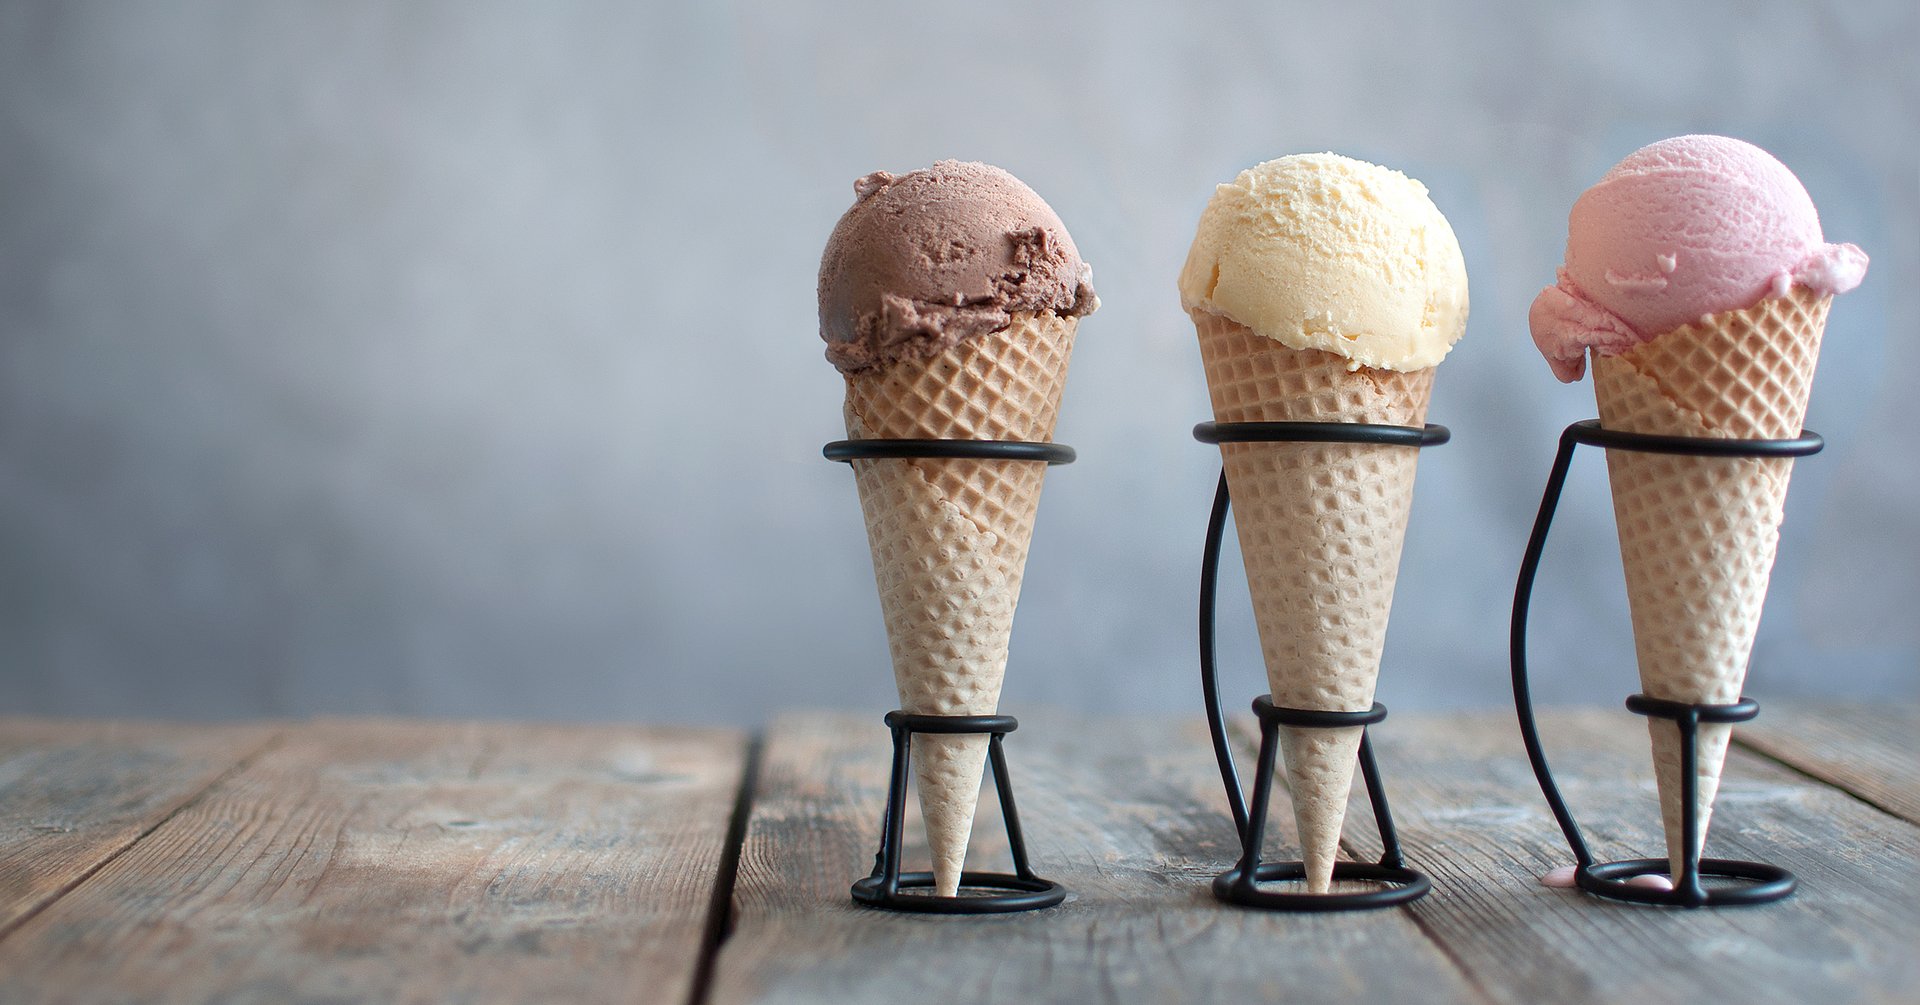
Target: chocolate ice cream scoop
928 259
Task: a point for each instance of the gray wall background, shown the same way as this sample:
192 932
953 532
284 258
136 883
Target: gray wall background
460 359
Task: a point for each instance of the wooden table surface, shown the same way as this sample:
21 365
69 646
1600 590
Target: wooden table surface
403 861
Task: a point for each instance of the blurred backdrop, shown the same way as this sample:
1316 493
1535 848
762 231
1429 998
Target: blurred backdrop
461 358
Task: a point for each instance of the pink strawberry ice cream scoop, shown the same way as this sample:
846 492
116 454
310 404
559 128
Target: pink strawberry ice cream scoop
1682 229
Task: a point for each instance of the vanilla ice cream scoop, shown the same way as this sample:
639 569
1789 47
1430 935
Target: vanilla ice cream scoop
1325 290
1320 251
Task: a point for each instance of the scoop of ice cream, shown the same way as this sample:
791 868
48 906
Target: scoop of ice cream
1320 251
1682 229
927 259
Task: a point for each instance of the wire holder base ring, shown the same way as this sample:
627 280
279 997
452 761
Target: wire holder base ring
1761 883
1239 885
1023 891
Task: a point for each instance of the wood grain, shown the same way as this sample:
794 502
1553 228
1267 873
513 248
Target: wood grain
406 861
1471 815
1870 751
1127 813
73 794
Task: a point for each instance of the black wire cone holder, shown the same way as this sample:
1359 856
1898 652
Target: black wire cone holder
1024 890
885 888
1760 883
1240 885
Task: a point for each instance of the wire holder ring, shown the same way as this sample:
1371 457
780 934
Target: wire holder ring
1761 883
1240 885
1021 890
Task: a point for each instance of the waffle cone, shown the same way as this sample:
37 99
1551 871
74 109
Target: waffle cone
1697 534
1320 526
949 539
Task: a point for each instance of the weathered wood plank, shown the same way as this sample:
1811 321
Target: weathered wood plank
1471 814
405 861
73 794
1127 813
1872 751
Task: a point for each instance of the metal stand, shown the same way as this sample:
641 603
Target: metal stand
1763 883
884 887
1239 885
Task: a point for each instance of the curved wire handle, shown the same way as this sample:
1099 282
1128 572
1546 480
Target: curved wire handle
1209 674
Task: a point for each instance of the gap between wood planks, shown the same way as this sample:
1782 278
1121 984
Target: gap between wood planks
720 914
1448 951
1249 742
1824 781
242 763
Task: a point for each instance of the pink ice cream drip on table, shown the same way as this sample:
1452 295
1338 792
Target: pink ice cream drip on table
1564 878
1681 230
1560 877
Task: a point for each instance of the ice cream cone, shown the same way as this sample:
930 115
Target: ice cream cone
949 539
1697 534
1320 527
